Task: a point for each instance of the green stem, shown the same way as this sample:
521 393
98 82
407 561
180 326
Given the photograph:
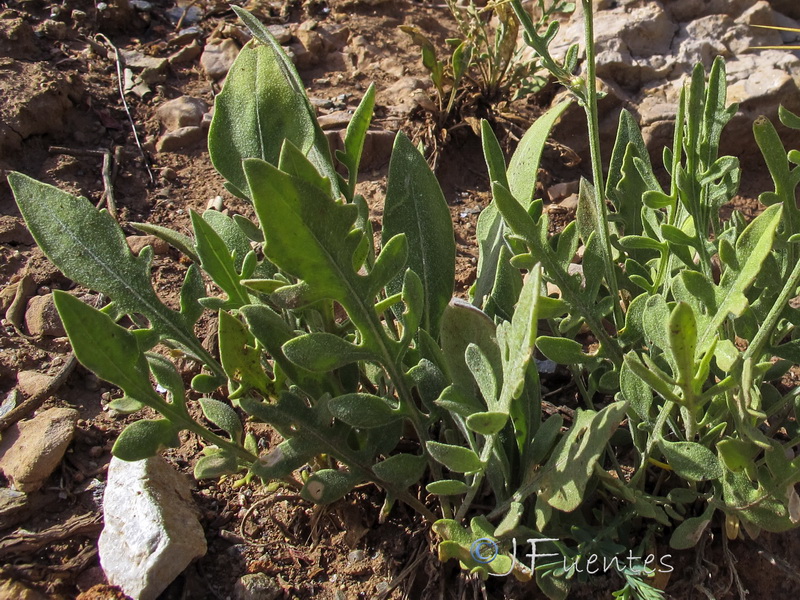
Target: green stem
601 212
658 427
476 483
765 332
179 417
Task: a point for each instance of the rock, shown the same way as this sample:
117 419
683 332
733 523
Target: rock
281 33
185 37
180 138
335 120
150 69
41 317
36 100
13 231
377 149
186 54
361 52
257 586
788 37
686 10
647 50
790 8
400 95
137 242
557 191
31 450
151 531
314 44
181 112
218 57
54 30
17 39
31 383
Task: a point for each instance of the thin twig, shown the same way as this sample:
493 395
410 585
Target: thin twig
778 562
21 541
408 570
121 86
110 169
184 13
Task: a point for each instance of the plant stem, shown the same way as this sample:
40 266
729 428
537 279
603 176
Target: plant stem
601 212
658 427
755 349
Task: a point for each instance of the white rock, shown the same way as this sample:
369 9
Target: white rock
152 531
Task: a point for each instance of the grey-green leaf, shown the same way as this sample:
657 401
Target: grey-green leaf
223 416
455 458
145 438
89 247
691 460
321 352
416 206
364 411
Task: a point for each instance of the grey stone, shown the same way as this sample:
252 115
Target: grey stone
647 50
218 57
181 112
151 531
149 68
41 317
186 54
180 138
281 33
257 586
31 450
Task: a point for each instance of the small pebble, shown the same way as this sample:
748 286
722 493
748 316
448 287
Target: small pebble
96 451
355 556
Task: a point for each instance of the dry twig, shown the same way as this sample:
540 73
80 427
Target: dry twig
121 86
21 541
110 170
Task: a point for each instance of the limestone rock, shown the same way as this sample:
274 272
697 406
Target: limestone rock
186 54
218 57
41 317
181 112
151 531
281 33
180 138
31 450
149 68
647 50
257 586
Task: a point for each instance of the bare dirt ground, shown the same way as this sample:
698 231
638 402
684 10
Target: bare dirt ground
61 110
